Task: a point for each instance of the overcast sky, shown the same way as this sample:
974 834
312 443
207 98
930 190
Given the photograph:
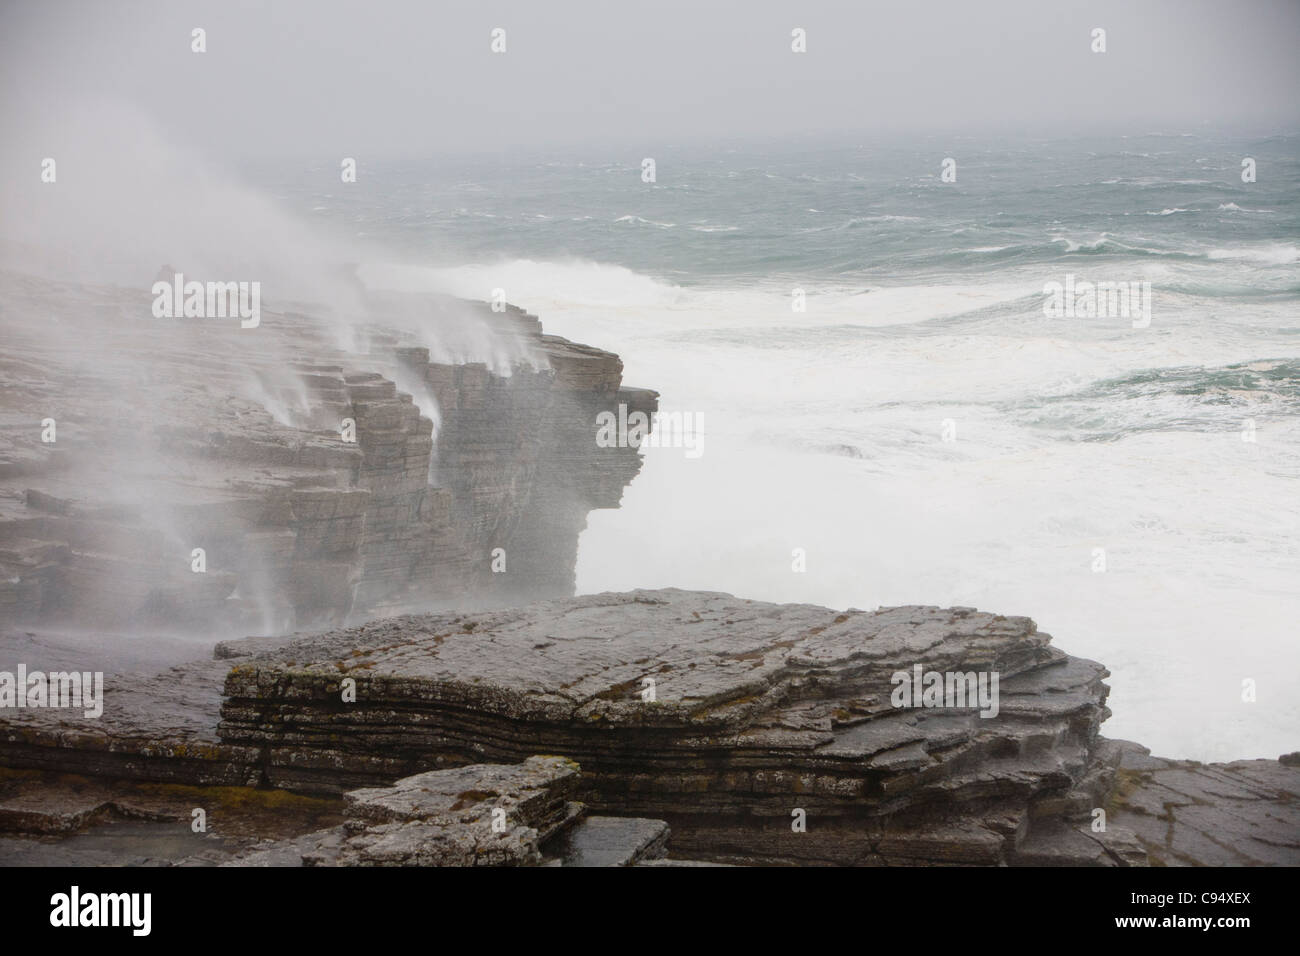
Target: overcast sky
415 77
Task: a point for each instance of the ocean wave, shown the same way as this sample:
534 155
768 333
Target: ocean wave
1101 244
647 222
860 220
1188 398
1106 244
854 221
1273 255
1233 207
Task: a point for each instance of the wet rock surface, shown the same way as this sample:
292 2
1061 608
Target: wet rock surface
612 841
1243 813
160 727
49 819
480 815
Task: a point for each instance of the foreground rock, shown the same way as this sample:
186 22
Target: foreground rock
480 815
470 816
49 819
758 733
1244 813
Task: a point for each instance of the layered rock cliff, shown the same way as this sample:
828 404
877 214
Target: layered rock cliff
190 473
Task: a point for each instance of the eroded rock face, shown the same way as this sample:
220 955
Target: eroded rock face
327 467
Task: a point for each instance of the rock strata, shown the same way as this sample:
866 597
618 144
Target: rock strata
758 712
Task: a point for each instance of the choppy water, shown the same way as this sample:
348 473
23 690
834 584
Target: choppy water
824 429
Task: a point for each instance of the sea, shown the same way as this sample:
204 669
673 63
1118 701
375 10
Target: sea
890 411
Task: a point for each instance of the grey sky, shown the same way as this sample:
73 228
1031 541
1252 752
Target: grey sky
409 78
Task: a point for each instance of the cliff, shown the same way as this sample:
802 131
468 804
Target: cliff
310 472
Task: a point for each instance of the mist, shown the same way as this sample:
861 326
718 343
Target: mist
134 386
332 79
